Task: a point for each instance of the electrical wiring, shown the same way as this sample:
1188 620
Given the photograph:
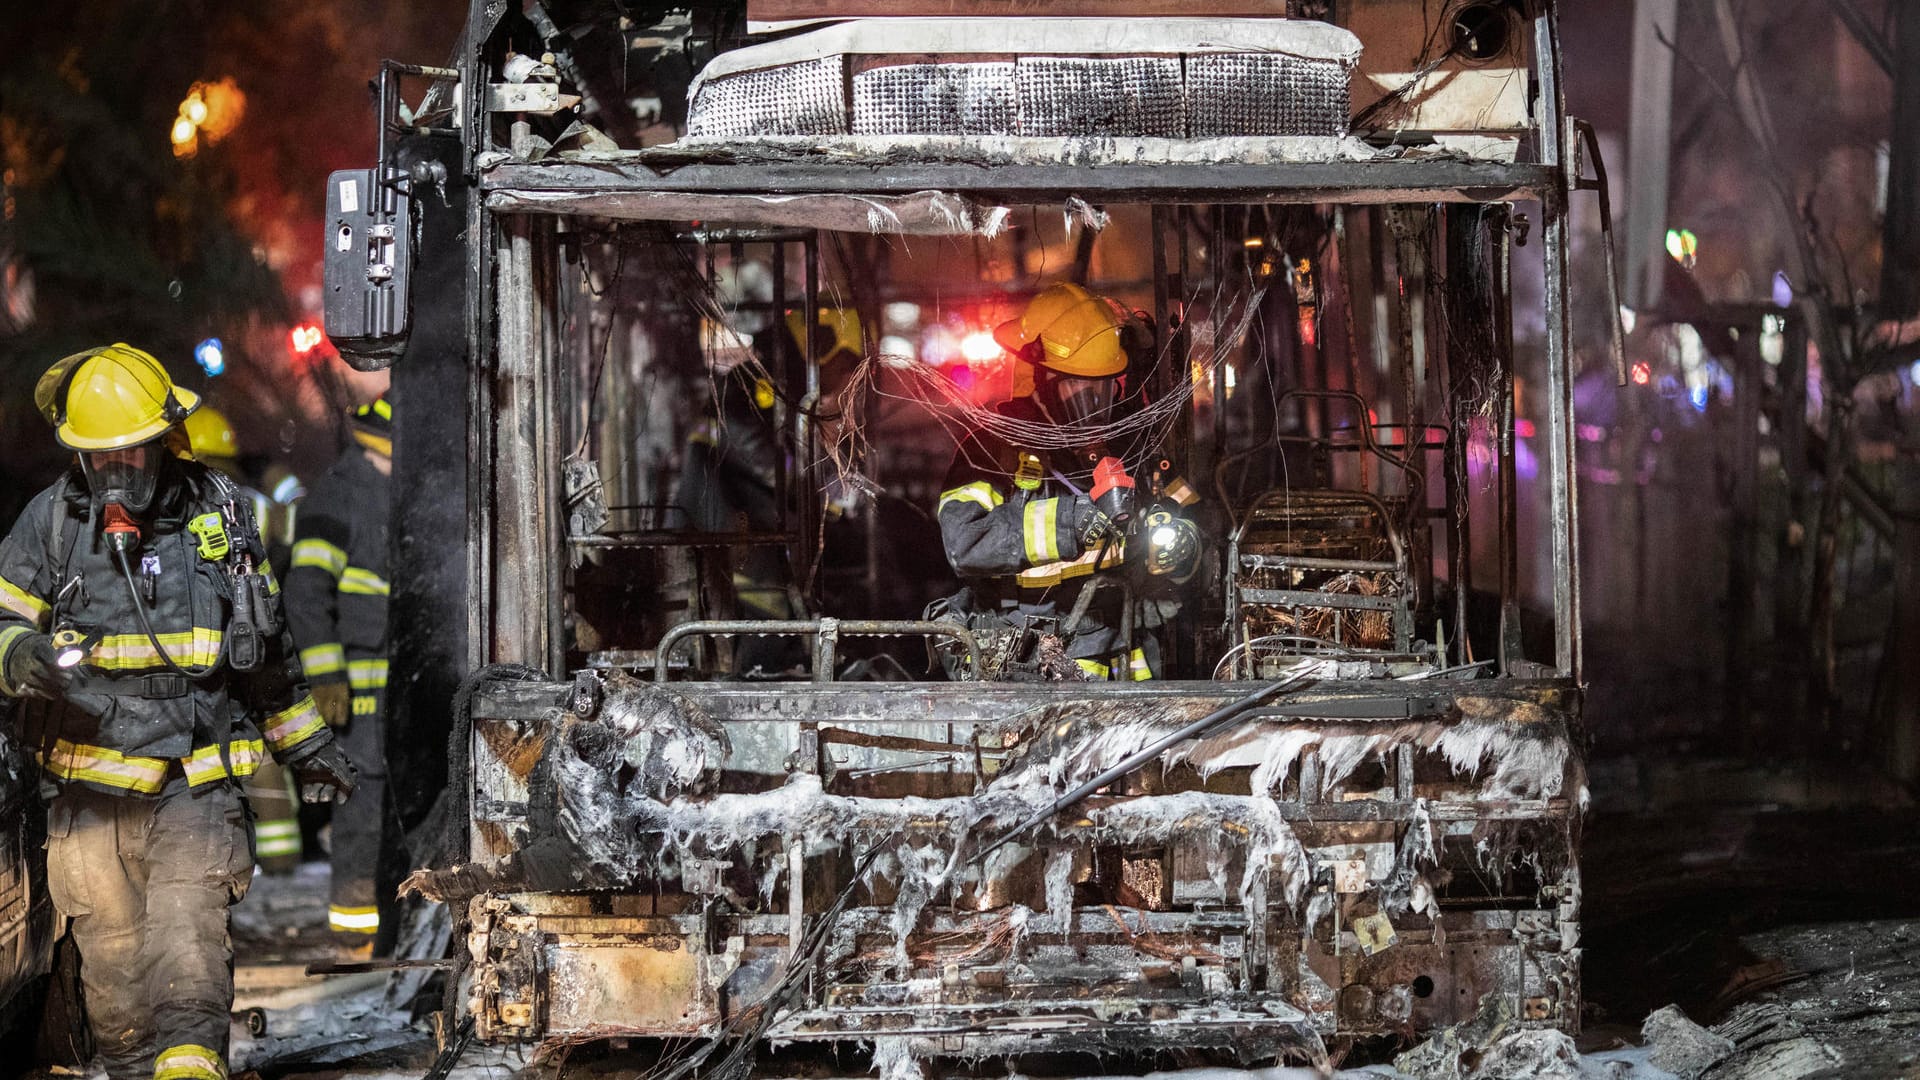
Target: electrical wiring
1139 433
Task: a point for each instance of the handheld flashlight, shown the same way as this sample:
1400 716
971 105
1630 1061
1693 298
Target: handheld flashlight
71 647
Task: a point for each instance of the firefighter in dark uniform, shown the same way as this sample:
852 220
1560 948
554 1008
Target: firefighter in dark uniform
337 601
151 653
1028 530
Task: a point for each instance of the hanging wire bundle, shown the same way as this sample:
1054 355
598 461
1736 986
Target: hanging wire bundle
1135 435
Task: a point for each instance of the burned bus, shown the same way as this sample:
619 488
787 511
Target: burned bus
690 309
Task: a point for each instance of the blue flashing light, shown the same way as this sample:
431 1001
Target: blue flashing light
1698 397
1913 373
211 356
1782 289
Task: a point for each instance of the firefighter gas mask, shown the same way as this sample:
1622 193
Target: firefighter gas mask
127 476
1074 400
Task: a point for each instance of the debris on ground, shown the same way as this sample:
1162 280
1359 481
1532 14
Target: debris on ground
1680 1046
1492 1046
1769 1044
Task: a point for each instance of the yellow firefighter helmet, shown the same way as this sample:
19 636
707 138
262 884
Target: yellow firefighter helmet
1078 332
111 397
210 434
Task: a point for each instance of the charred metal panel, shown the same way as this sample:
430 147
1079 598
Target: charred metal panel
1292 878
429 558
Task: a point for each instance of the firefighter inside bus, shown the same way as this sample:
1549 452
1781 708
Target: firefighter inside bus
1072 549
728 482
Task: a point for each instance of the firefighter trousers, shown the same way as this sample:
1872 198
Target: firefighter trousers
145 884
358 845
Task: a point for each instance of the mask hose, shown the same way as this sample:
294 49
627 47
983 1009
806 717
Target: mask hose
140 610
122 534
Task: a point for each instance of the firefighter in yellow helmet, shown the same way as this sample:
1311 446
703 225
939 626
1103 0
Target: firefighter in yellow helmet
1059 539
155 676
337 599
213 442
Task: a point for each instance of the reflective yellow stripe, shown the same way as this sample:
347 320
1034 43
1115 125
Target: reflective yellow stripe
321 555
323 660
205 765
109 768
382 409
979 492
363 582
273 583
189 1062
198 647
24 604
1053 573
1042 521
278 837
365 706
1094 668
8 635
365 674
290 727
354 920
1137 666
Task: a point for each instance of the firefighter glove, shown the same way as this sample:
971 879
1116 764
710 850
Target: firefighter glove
1173 544
333 699
33 670
325 775
1091 524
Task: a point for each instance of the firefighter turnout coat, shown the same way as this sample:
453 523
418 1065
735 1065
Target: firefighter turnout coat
128 717
1011 520
337 580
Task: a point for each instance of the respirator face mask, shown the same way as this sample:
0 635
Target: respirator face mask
1082 400
127 476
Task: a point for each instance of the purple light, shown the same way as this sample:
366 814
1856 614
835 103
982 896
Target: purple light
1782 289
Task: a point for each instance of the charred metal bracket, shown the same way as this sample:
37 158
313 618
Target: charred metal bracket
584 701
541 99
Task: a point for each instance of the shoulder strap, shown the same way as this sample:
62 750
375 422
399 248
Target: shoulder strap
62 530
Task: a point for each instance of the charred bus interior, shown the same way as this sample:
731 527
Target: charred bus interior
731 802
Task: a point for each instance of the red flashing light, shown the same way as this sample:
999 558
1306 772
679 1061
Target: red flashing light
1642 373
1523 428
980 348
305 338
